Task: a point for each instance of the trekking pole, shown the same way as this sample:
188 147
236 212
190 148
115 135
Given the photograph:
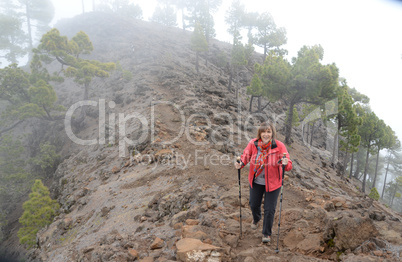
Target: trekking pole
238 174
280 208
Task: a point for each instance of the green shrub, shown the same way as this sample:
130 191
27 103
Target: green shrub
331 243
374 194
47 160
39 211
127 76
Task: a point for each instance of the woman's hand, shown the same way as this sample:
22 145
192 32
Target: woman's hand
238 165
285 161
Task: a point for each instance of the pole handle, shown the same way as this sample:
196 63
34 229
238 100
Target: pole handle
284 156
283 169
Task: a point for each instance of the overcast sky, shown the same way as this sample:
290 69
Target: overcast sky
362 37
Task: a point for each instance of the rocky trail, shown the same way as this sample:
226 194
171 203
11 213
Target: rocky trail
174 195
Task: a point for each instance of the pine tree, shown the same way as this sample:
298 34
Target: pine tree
198 43
347 123
306 80
392 159
269 36
35 14
296 119
54 47
311 82
374 194
360 104
165 15
25 96
39 211
12 38
386 141
250 23
370 131
200 11
13 177
181 5
238 59
234 17
120 7
395 187
255 90
47 160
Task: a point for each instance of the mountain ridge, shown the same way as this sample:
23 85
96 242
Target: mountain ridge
172 195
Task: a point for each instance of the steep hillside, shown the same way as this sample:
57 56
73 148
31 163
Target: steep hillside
163 186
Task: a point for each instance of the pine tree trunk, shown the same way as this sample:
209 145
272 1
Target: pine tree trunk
392 198
251 104
324 122
83 113
230 79
376 168
334 149
207 27
358 163
351 165
207 37
345 162
289 121
366 170
237 86
385 179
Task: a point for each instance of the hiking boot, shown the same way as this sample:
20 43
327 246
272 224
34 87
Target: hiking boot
254 226
266 239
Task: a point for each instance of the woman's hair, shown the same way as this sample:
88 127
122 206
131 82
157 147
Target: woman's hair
264 127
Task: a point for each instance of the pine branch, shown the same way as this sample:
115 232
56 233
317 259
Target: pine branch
11 127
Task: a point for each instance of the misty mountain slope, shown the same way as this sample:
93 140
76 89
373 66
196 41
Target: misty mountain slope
158 201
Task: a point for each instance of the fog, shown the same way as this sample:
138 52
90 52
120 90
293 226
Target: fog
361 37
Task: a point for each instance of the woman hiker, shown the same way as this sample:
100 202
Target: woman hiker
265 155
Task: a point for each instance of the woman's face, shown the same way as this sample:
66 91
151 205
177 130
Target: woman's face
266 135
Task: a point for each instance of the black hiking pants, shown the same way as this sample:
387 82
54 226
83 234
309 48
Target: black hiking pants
270 200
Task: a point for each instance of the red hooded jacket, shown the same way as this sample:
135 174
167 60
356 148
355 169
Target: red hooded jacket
273 170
